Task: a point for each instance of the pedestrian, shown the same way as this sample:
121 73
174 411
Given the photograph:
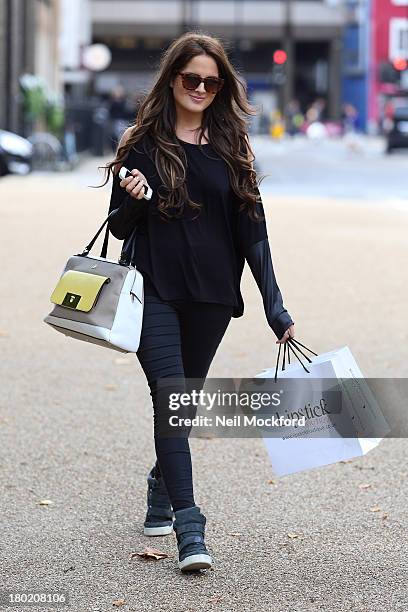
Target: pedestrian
349 117
190 242
293 117
117 115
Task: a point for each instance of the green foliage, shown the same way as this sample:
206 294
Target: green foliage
34 98
55 118
39 104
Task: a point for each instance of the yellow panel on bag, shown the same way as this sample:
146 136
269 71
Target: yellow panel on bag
78 290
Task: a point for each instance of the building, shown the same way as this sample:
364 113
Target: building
311 32
356 58
75 33
388 42
28 45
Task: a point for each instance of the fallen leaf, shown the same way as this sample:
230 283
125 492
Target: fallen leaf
150 553
365 486
384 516
292 536
45 502
375 509
110 387
215 599
271 482
119 602
234 533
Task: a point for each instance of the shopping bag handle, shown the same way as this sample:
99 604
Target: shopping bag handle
292 345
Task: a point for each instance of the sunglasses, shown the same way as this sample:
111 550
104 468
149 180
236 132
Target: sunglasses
191 81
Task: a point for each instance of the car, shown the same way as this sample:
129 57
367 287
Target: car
16 154
395 123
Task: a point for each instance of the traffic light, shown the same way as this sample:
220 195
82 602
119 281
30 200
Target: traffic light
388 73
400 64
279 70
280 56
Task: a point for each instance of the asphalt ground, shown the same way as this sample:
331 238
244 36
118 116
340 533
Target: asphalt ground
76 426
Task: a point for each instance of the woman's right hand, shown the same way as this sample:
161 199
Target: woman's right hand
289 333
134 184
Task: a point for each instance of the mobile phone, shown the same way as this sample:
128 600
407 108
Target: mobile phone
124 173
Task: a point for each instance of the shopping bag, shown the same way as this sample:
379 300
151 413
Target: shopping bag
307 447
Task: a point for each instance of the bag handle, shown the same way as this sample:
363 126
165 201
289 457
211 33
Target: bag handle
292 345
293 340
104 249
123 260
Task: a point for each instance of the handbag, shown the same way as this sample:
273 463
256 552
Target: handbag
99 300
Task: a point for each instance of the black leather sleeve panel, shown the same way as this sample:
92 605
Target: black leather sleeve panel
129 211
259 260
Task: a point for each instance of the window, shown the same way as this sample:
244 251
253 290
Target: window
398 43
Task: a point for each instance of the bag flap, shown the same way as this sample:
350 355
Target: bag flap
78 290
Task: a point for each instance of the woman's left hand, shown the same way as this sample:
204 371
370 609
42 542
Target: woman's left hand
289 333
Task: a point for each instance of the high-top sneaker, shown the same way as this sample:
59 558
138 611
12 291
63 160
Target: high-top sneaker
159 515
189 527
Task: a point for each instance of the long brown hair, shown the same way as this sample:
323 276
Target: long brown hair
225 118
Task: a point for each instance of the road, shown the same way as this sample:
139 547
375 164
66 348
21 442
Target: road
355 169
76 422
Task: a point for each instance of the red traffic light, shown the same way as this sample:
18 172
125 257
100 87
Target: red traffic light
280 56
400 63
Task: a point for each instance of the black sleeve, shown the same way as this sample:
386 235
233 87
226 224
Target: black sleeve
259 260
129 211
254 244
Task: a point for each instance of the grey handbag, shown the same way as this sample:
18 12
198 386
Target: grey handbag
99 300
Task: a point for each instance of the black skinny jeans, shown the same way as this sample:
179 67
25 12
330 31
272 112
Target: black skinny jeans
178 339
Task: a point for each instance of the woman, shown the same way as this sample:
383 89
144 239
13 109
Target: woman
190 242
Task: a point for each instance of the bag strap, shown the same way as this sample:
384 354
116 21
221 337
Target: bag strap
104 249
123 260
300 344
277 363
284 355
292 345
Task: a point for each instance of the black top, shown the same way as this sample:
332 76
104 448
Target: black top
198 259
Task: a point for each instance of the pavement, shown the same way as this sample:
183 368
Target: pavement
352 168
76 421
